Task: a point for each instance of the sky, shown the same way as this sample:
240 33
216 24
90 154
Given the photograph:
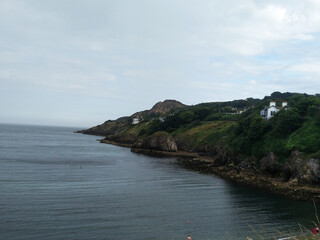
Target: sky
80 63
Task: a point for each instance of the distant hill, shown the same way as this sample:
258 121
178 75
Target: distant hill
122 124
160 109
178 118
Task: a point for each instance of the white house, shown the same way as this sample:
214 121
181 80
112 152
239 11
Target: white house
135 120
269 112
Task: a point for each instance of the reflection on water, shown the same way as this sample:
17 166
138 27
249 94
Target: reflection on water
59 185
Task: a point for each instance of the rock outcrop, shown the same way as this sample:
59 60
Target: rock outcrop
304 171
161 108
269 164
161 141
298 170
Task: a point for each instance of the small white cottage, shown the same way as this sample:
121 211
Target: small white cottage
135 120
269 112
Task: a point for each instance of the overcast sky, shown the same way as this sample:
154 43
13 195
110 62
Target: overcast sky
79 63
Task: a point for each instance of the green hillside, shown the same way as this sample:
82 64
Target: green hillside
235 126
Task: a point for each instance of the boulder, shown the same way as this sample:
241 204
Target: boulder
312 174
304 171
247 164
269 164
159 141
219 156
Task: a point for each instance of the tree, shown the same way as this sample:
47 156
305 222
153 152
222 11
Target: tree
202 113
304 103
187 116
286 121
314 113
256 127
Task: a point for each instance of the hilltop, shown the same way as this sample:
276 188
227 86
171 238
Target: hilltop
121 127
233 135
160 109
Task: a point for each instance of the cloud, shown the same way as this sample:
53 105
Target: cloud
141 52
136 74
307 68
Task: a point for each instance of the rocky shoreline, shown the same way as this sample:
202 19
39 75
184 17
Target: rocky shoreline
281 155
115 143
205 164
249 177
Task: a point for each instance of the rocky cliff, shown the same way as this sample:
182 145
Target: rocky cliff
160 141
297 171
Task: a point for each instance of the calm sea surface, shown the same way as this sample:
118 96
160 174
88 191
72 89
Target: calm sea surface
55 184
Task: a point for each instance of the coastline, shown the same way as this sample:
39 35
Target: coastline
205 164
253 179
115 143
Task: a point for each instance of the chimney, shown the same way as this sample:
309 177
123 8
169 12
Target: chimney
272 103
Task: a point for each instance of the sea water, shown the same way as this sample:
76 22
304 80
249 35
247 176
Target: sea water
56 184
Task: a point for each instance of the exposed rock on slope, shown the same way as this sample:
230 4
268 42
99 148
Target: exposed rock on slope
161 108
161 141
304 171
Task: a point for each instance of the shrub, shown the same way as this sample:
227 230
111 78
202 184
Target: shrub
306 139
286 122
187 116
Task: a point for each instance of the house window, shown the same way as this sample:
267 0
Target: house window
272 113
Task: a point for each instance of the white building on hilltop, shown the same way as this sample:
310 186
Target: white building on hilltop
269 112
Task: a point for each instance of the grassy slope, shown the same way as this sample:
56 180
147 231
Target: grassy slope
206 134
210 133
202 127
306 139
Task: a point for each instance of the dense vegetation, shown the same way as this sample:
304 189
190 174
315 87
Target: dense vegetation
235 126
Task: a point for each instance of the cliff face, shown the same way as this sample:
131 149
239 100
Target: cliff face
160 141
298 170
253 178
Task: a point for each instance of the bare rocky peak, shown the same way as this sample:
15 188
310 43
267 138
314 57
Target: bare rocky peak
165 106
161 108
